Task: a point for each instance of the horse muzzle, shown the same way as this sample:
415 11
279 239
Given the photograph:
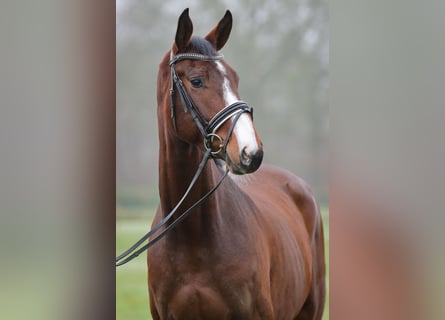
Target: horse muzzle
248 162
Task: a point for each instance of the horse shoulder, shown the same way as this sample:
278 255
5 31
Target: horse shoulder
275 180
288 215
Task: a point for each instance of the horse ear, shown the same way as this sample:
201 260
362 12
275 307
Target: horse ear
220 34
184 31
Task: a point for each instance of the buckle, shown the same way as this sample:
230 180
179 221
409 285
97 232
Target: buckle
208 141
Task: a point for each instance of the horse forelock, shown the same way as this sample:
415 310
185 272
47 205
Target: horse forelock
201 46
197 45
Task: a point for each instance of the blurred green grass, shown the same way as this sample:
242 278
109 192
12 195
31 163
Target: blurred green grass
131 279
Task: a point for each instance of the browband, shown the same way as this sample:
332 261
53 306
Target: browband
194 56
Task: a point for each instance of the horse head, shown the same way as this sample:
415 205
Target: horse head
198 89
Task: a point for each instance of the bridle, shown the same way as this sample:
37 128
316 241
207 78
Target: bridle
208 129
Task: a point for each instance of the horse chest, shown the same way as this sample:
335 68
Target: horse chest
212 288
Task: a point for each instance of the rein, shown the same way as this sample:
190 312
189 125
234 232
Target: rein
130 253
208 130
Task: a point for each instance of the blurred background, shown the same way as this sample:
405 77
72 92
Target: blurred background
280 49
58 143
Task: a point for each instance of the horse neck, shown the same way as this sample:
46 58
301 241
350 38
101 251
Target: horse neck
178 163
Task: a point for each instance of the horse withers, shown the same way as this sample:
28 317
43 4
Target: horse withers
252 250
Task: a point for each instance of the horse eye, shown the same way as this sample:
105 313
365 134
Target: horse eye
197 82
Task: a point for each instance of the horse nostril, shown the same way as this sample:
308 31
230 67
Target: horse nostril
245 158
249 161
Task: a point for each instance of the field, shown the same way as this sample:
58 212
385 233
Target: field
131 279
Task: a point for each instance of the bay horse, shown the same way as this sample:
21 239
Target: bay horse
254 249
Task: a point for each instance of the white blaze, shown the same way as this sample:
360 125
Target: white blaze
244 132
